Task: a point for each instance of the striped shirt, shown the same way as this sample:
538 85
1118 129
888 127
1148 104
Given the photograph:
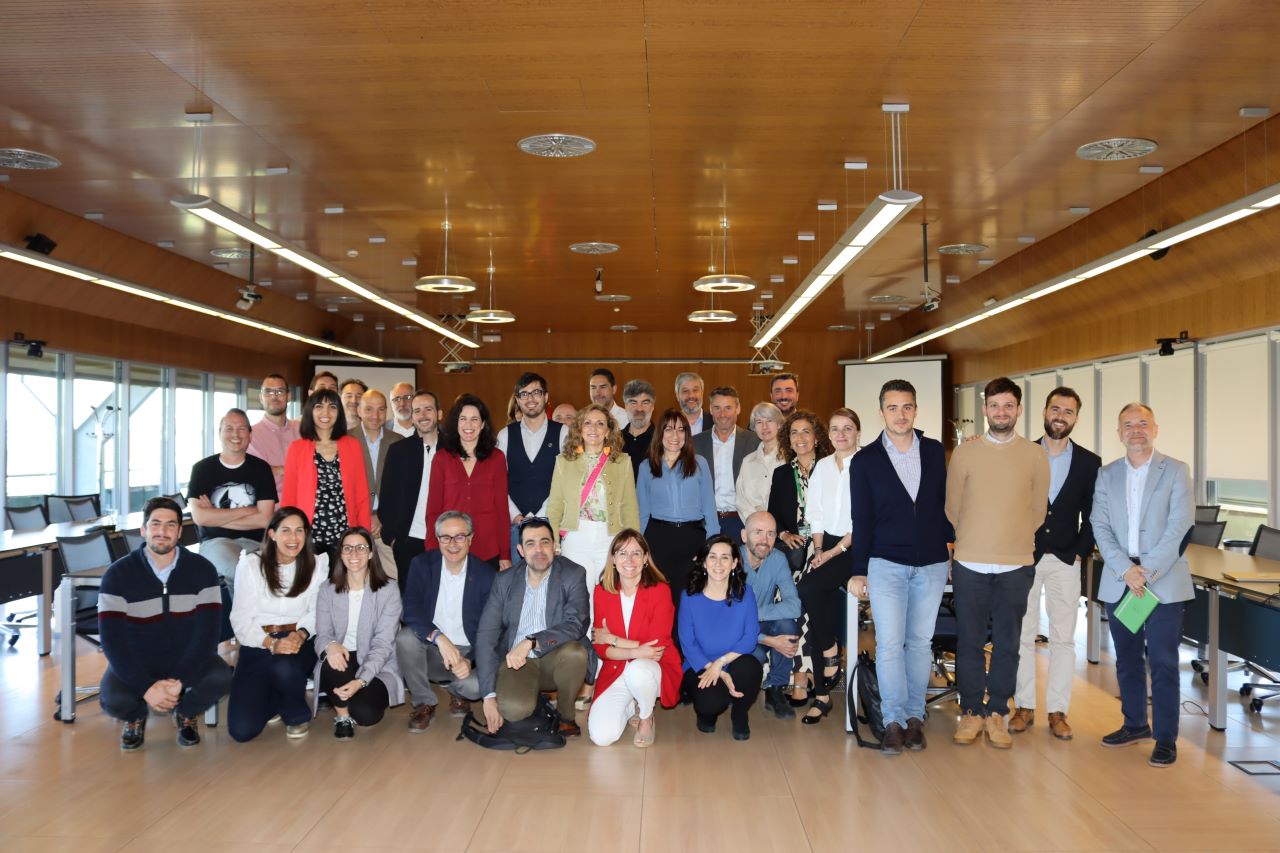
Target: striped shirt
906 464
533 612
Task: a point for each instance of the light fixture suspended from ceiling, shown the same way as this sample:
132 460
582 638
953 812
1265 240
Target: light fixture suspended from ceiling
490 315
723 281
712 315
444 282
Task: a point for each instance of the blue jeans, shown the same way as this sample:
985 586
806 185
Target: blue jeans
779 664
904 606
1155 646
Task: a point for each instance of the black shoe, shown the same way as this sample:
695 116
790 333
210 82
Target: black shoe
775 701
1126 737
741 731
895 740
133 734
344 728
706 725
188 729
1163 755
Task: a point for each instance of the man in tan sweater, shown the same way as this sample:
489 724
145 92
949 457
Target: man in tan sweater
997 496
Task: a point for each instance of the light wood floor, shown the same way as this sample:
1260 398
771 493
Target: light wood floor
789 788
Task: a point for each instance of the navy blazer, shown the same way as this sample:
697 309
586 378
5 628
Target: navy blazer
1066 532
424 585
401 480
886 522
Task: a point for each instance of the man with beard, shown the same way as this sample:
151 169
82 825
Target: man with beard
406 478
997 496
689 389
784 392
530 446
275 432
1062 542
402 406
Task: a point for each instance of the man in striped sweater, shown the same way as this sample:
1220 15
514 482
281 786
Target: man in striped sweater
159 616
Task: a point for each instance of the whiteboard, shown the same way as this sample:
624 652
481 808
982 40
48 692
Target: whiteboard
382 376
862 383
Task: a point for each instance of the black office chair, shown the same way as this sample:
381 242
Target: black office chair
78 554
1266 544
1207 513
25 518
61 508
178 499
1208 533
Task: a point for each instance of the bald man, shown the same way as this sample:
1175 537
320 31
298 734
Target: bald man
564 414
778 605
402 407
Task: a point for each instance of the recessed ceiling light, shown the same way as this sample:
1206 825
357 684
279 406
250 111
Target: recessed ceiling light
904 307
332 309
712 315
989 301
884 318
233 253
805 236
1150 170
1026 239
612 297
94 215
888 298
953 279
198 117
791 260
164 244
1116 148
222 265
380 326
841 327
377 239
1078 211
408 262
357 318
828 204
302 296
623 327
276 170
869 326
556 145
408 327
1255 112
766 294
593 247
491 338
986 262
777 279
341 299
334 209
757 306
21 158
855 165
962 249
265 282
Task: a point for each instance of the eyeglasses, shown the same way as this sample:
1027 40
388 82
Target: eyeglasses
403 398
535 394
354 549
454 540
274 392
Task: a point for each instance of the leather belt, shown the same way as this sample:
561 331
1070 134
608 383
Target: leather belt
726 515
280 629
698 522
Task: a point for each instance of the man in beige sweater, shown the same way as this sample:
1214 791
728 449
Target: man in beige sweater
997 495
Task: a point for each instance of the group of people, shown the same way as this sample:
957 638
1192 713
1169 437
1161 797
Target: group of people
626 561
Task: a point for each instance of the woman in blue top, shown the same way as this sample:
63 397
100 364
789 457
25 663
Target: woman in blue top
677 505
719 626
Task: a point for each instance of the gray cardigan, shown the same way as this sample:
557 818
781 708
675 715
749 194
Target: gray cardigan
375 635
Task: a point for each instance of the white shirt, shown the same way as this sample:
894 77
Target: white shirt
827 507
406 431
448 615
755 479
628 605
418 527
532 441
722 452
254 604
620 416
1135 481
355 597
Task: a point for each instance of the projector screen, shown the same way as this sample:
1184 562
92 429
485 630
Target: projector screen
382 376
862 383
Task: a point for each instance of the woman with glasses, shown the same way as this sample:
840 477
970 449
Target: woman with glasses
357 617
632 635
756 474
677 504
719 625
324 472
274 617
470 475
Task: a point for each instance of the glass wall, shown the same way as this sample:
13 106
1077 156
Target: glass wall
31 428
1237 457
1171 394
95 423
189 427
1037 389
146 434
1080 380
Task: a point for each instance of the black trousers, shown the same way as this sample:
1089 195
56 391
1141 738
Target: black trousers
123 702
998 601
675 548
710 702
265 685
821 595
405 549
368 705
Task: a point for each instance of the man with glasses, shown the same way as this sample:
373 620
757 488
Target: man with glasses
603 386
401 405
406 479
159 617
530 446
447 592
275 432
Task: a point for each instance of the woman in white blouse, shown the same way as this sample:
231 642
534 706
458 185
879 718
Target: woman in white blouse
357 617
832 564
274 617
756 473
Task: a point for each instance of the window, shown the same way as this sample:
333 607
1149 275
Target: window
189 426
31 428
1080 380
95 412
1033 403
1171 395
226 395
1120 385
1236 452
146 434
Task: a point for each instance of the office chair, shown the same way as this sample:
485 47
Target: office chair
1266 544
1207 513
1208 533
178 499
78 554
62 508
23 518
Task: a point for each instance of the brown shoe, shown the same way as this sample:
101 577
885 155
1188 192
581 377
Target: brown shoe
420 718
969 729
458 707
1058 725
998 731
915 734
569 728
894 740
1023 719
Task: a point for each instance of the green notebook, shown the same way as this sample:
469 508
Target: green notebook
1133 611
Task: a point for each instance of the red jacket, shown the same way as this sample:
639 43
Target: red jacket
300 479
651 619
483 496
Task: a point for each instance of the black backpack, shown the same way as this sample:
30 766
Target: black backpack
864 702
539 730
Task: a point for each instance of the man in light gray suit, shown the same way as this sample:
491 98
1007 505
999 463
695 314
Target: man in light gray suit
531 631
1142 512
724 446
375 439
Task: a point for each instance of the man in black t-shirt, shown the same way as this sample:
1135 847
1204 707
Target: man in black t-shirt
232 496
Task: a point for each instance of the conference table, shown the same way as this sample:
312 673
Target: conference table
1229 617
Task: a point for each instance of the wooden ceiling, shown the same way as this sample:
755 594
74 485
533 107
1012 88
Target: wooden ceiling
395 109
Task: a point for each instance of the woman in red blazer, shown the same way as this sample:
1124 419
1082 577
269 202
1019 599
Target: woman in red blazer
632 636
470 475
324 472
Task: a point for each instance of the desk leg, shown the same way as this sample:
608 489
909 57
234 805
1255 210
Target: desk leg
1093 632
67 648
1217 666
44 604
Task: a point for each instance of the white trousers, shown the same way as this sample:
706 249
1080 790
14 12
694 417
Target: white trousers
588 546
635 692
1061 585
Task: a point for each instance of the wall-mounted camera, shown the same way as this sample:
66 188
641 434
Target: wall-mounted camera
249 297
1167 344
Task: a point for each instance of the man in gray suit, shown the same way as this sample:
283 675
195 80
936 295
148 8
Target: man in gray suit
531 631
1142 512
375 439
724 446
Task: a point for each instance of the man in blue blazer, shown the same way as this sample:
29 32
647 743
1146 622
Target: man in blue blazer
446 593
1142 511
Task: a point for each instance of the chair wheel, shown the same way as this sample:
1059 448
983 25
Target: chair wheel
1246 689
13 641
1197 666
1256 706
1204 678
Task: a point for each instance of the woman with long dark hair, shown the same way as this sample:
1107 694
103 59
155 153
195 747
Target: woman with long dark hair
324 472
677 503
470 475
274 617
719 625
357 617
